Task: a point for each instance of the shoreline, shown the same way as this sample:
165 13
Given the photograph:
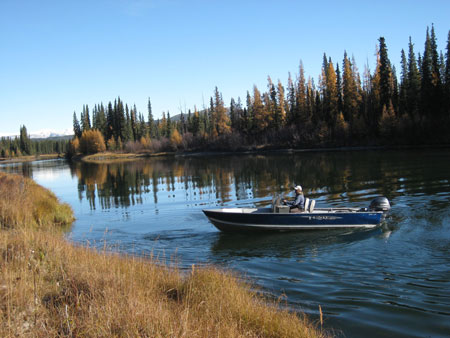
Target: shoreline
54 287
31 158
109 157
113 157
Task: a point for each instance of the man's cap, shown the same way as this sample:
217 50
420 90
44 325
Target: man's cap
298 187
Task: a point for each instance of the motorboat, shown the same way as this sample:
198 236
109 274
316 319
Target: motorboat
279 217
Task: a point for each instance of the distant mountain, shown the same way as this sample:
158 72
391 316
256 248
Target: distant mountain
48 133
45 134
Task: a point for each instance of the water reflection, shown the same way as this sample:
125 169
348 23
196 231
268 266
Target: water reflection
285 245
333 178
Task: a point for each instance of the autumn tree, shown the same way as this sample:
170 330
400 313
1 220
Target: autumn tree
351 98
92 142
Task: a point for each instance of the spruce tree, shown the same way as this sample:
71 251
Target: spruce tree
447 78
427 104
25 142
280 117
76 126
414 82
290 111
300 97
151 121
386 88
404 84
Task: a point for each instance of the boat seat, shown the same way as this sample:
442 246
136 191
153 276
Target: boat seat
312 204
276 203
306 204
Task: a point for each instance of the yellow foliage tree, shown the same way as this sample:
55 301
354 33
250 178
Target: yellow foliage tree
92 142
175 138
111 144
145 141
74 146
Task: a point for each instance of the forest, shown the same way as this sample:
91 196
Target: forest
342 108
23 145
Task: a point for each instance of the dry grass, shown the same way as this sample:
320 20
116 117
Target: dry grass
49 287
23 203
112 157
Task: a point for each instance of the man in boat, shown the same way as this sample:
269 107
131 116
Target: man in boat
299 201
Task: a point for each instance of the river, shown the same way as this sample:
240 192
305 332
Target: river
391 281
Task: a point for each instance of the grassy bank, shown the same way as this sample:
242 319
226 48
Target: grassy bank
49 287
30 158
109 157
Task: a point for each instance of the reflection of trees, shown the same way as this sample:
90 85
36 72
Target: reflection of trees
330 176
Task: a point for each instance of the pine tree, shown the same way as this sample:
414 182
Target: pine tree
76 126
414 81
351 96
290 111
151 121
404 84
270 102
386 87
339 88
128 130
447 78
110 124
134 127
427 104
280 117
233 115
85 119
25 142
300 97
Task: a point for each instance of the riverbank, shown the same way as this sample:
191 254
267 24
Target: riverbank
110 157
49 287
30 158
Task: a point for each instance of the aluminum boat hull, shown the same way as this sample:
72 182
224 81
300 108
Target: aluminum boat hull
249 219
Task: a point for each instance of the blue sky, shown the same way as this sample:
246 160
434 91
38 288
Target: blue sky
58 55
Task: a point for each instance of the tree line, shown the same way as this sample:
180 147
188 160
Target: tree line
341 108
23 145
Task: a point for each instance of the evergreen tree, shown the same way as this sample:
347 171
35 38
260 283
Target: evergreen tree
447 78
300 97
85 119
25 142
233 116
404 84
351 100
280 117
414 81
290 111
134 127
427 104
386 85
151 121
339 88
128 131
76 126
110 124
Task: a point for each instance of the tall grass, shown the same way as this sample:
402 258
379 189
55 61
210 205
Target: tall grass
49 287
24 203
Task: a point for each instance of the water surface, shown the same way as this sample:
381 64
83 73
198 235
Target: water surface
391 281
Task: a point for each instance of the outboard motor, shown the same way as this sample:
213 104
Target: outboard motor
380 204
